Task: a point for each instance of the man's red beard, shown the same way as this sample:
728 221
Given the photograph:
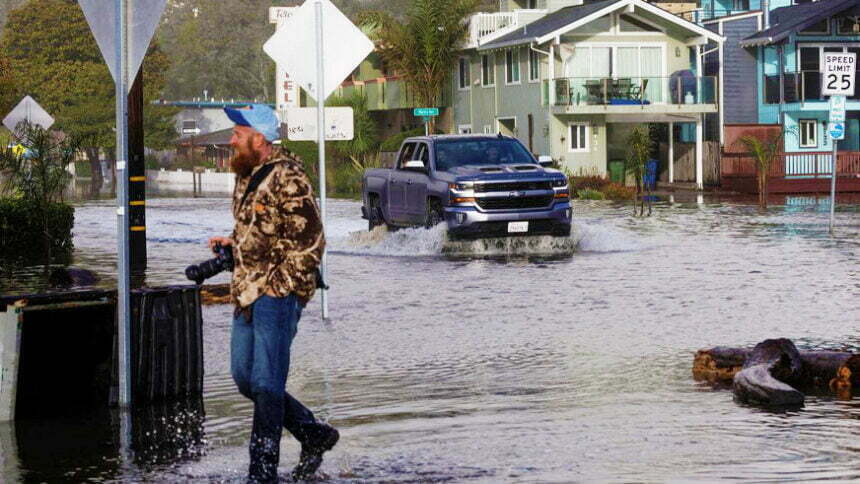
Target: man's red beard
245 159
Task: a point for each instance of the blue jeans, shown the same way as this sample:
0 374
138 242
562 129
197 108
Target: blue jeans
260 363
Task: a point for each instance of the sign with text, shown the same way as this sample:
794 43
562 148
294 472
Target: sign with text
839 73
425 112
344 47
278 15
302 124
836 130
837 109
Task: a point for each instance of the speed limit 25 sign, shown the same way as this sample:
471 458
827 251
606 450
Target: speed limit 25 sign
839 73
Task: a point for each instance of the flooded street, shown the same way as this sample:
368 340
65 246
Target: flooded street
534 360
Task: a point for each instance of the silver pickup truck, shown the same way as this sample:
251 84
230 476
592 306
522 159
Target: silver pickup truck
479 185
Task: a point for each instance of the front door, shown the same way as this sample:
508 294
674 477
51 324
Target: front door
416 186
397 182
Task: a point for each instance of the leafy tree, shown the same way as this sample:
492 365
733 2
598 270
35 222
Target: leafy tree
764 151
58 62
8 85
365 137
424 47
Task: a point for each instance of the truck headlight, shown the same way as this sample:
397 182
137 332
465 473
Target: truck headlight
461 186
559 182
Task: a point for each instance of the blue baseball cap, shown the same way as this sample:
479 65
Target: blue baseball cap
259 117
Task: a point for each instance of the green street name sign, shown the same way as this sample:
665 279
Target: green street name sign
425 112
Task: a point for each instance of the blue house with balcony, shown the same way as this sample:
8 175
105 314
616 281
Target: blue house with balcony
770 69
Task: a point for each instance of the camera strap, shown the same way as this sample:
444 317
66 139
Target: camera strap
256 179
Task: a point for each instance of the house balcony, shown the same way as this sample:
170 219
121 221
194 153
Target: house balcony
486 27
797 87
629 95
699 15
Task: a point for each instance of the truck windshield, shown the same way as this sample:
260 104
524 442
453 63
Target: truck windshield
487 151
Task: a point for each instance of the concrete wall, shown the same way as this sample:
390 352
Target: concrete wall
210 182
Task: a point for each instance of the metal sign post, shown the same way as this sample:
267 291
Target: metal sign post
123 262
839 80
321 141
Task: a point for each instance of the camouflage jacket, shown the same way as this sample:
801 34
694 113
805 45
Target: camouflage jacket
278 239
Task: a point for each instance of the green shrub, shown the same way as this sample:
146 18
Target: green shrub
392 143
614 191
590 194
21 233
83 169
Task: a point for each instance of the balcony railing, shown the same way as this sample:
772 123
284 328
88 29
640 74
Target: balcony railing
700 15
794 165
585 91
797 87
484 27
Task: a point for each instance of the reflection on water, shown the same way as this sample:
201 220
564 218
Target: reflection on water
537 359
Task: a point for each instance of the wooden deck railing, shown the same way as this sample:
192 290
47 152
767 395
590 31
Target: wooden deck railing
805 165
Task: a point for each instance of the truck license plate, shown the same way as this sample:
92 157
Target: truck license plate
518 227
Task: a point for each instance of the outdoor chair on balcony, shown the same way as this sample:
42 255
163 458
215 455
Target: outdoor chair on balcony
594 90
621 88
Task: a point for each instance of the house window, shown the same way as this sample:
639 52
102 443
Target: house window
512 66
578 137
808 133
742 5
464 75
464 129
849 26
488 129
488 75
534 66
189 126
820 28
531 4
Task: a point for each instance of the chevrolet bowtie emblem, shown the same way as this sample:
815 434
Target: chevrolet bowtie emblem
516 194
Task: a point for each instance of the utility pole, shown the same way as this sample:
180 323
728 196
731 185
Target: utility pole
136 180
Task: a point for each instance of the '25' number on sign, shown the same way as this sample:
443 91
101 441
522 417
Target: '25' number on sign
832 79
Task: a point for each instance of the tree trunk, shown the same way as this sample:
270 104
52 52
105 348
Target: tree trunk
766 372
96 177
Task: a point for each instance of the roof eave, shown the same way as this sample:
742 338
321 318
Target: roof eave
509 43
758 41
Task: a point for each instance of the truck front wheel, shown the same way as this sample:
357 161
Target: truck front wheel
374 216
434 214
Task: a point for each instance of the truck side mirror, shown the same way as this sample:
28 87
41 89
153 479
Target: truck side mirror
415 165
545 161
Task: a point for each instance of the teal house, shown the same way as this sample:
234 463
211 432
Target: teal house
771 69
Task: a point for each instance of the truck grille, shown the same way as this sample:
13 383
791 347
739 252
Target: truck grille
514 203
512 186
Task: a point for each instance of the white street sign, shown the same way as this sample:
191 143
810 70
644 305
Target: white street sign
293 44
837 109
839 73
28 110
143 17
302 124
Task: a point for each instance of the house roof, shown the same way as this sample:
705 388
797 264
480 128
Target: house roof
788 20
569 18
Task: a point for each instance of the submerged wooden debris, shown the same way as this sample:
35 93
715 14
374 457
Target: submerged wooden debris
775 372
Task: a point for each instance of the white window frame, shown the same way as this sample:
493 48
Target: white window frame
464 129
587 135
531 4
489 71
488 129
460 63
839 29
803 127
534 63
613 46
507 118
513 52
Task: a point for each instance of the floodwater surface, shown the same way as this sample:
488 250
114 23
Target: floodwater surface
539 360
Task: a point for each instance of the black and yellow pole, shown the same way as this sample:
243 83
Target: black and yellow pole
136 179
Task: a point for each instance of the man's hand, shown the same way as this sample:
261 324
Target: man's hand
224 241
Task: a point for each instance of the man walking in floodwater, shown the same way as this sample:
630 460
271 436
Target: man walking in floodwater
277 245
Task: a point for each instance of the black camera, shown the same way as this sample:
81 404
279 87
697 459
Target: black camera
223 261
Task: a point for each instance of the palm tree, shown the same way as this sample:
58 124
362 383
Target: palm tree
639 147
424 48
764 152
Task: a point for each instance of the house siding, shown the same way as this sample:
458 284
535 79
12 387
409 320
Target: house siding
739 67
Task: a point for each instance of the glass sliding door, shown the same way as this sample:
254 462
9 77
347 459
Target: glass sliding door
651 68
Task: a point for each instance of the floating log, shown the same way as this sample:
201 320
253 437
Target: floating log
762 380
820 370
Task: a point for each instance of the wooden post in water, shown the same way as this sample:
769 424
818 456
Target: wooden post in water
136 177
